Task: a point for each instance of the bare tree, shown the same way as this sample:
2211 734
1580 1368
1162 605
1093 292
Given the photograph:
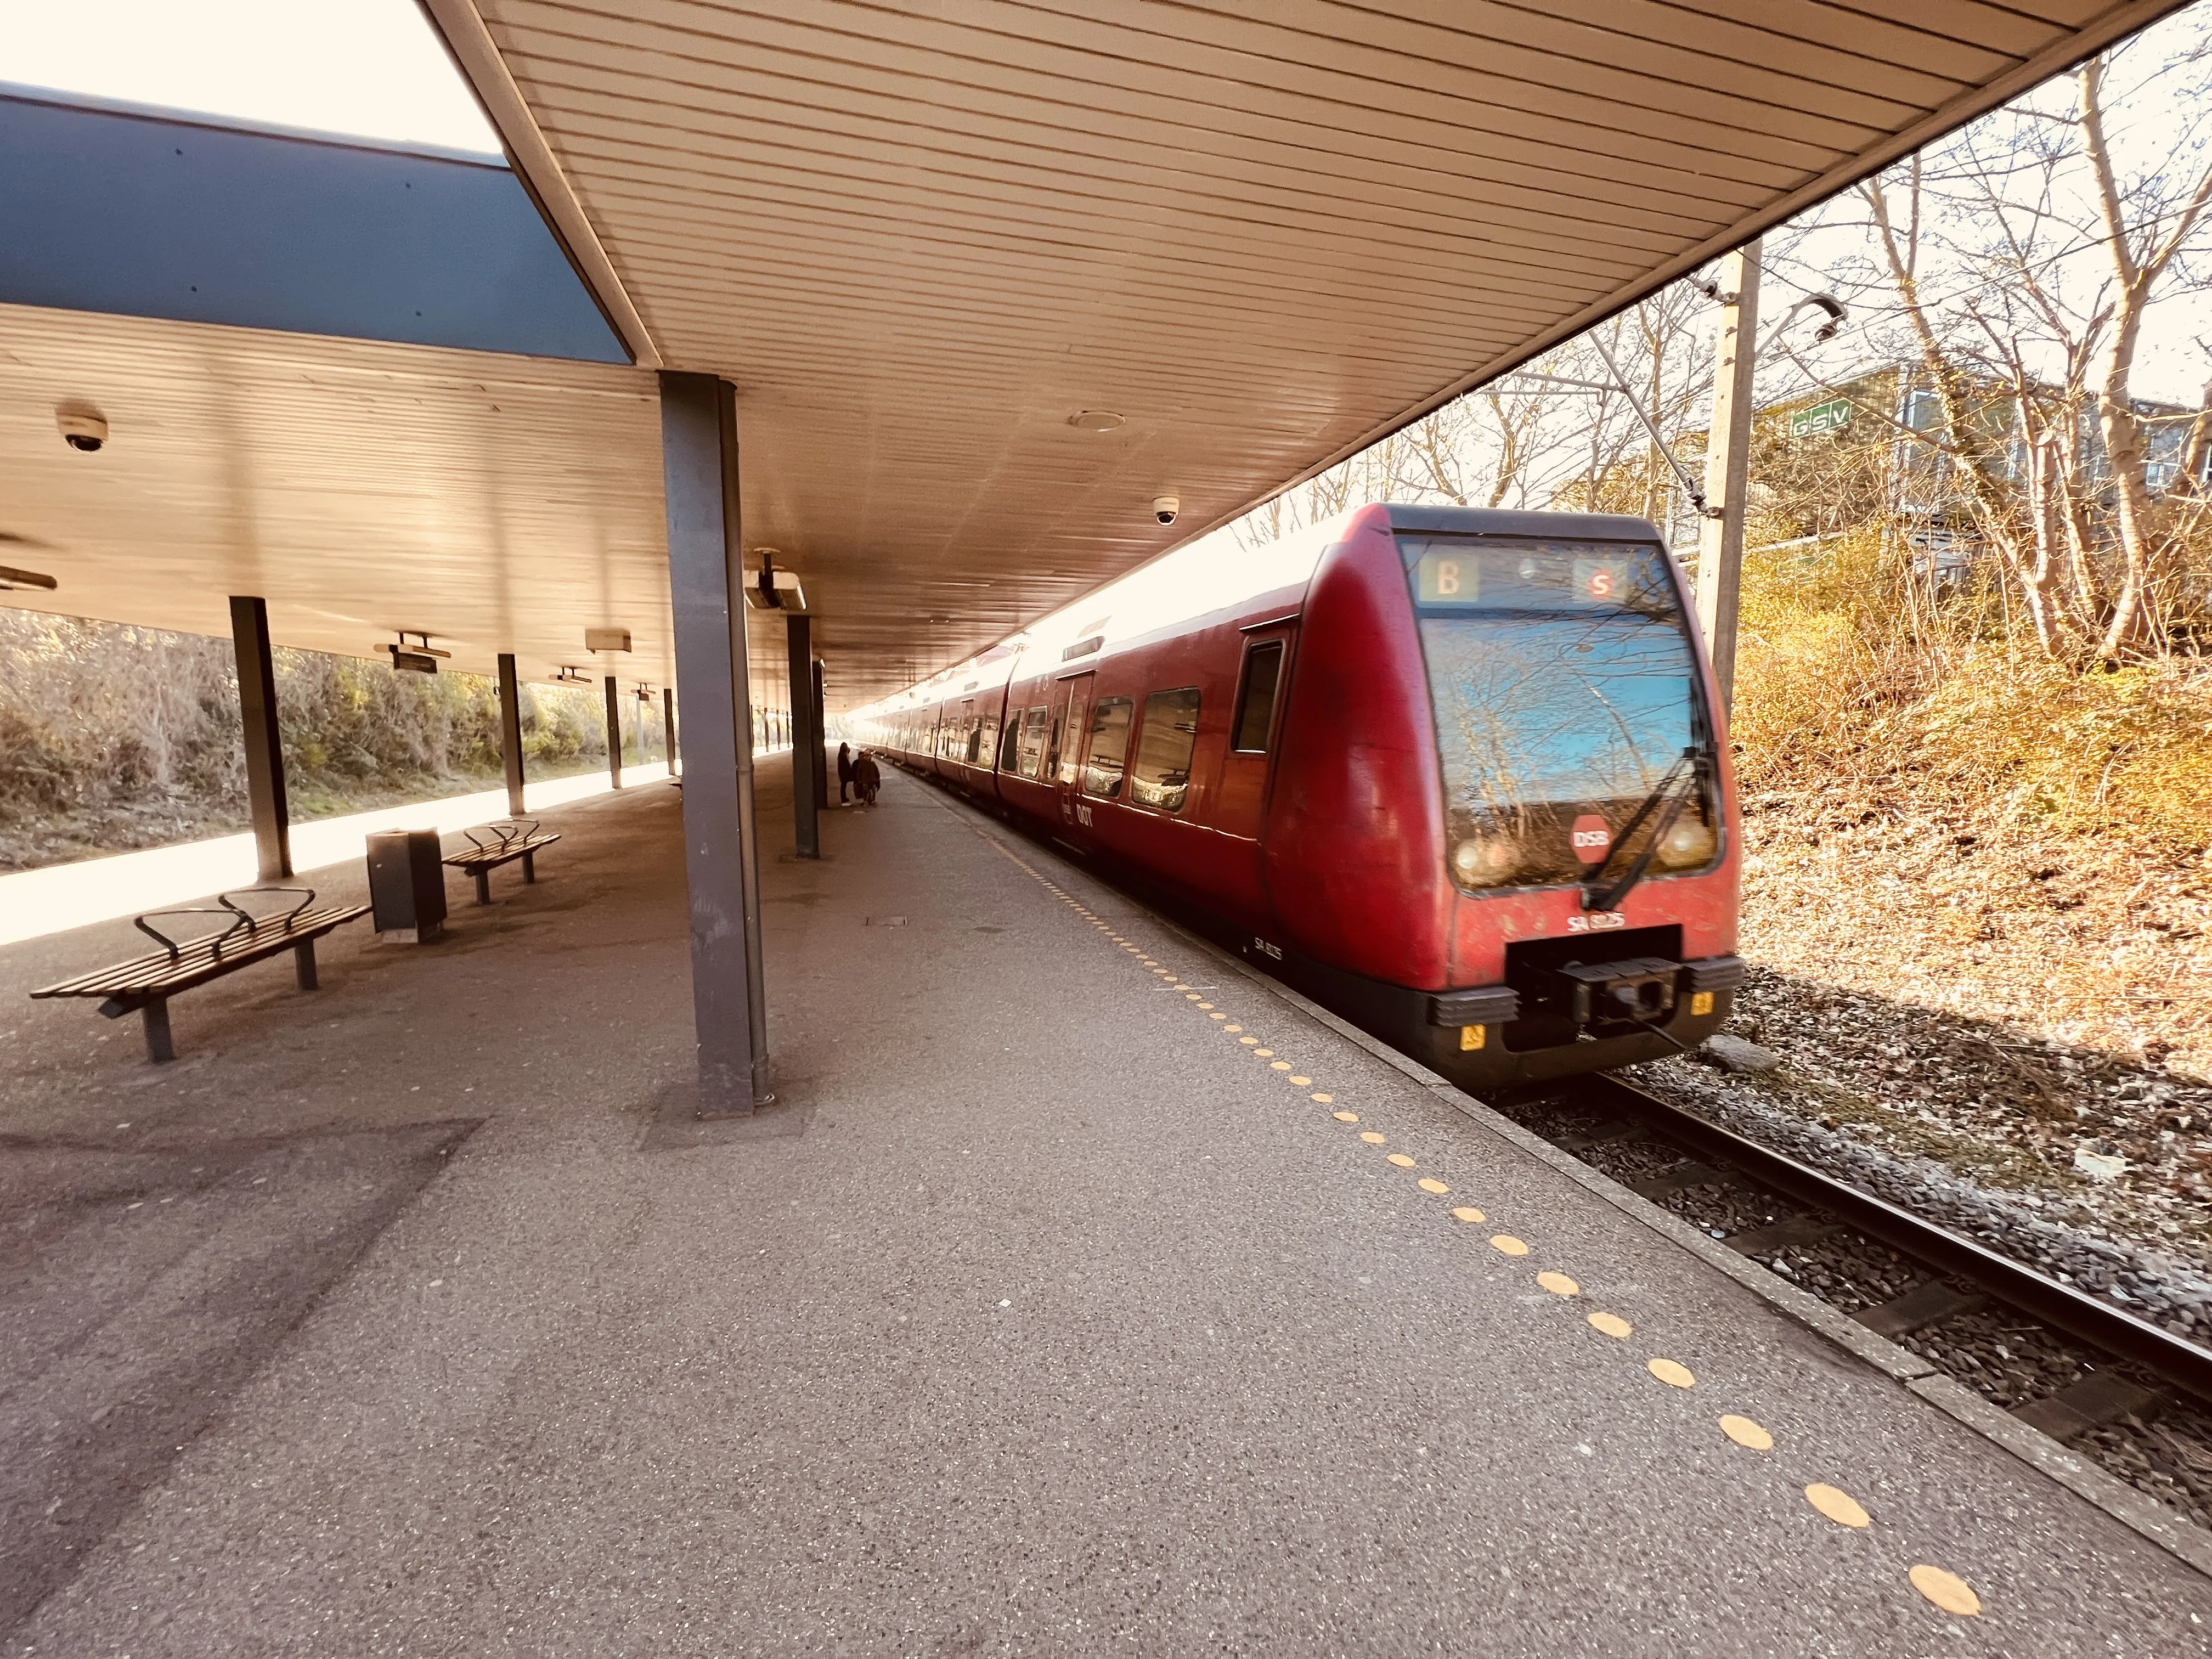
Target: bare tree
2146 222
2021 260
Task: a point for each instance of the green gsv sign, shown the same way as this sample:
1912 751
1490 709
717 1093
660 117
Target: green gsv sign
1820 417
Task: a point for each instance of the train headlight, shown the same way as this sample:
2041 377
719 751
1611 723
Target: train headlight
1484 860
1688 844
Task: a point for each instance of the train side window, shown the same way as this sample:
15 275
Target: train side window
1032 736
1161 776
1256 698
1110 747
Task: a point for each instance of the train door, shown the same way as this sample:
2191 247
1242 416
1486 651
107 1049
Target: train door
1071 720
1254 719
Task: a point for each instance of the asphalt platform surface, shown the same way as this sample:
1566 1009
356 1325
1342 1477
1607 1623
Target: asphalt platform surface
1052 1310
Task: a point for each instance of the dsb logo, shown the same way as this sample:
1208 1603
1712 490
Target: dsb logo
1591 838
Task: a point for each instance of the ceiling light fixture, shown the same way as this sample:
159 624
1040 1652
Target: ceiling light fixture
1095 420
11 578
771 589
423 659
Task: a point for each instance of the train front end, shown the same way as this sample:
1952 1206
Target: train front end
1589 835
1503 834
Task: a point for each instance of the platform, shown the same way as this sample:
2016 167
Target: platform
1058 1306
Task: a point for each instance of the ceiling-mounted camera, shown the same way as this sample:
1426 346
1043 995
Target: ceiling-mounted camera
82 427
1166 508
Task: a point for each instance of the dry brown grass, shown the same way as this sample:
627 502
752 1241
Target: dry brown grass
1939 812
1861 687
114 737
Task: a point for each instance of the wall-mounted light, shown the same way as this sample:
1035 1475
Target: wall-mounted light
571 676
1834 313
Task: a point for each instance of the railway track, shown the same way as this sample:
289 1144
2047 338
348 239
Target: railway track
2139 1394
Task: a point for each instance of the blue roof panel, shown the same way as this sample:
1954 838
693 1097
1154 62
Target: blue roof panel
149 213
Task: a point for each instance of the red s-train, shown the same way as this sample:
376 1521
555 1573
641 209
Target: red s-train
1457 773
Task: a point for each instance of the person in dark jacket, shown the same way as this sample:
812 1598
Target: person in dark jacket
844 771
866 778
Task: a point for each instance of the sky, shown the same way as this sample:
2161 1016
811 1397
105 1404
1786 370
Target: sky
369 69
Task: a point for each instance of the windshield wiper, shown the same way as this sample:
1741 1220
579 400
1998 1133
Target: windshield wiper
1667 800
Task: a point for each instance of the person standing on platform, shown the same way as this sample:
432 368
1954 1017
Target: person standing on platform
868 778
844 771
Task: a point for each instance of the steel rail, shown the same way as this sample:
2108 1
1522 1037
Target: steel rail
2116 1331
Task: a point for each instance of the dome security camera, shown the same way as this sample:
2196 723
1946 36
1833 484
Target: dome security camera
82 427
1164 509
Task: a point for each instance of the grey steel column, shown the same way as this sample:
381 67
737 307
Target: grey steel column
805 739
668 724
821 738
510 731
614 733
706 579
265 746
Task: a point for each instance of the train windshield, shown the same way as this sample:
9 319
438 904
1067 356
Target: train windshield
1565 693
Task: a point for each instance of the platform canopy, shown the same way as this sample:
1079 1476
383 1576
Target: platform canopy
925 238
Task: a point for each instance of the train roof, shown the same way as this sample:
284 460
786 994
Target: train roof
1503 521
1218 571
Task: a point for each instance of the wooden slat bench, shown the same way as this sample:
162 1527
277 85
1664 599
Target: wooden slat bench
502 843
146 984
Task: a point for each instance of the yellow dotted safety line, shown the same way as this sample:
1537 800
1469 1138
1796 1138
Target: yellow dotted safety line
1944 1589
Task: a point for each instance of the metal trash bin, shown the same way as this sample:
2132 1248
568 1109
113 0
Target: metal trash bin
406 886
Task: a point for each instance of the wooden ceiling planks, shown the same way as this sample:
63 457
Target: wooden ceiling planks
919 237
360 488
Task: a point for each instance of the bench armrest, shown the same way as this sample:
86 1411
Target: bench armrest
503 835
238 919
253 922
